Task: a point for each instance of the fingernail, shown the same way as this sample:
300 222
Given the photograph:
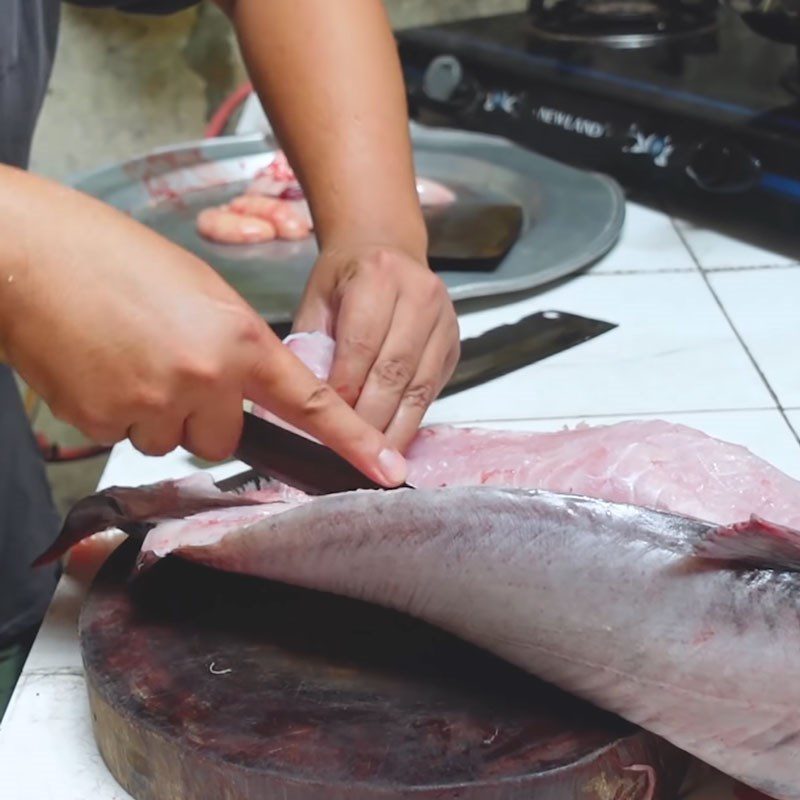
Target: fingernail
393 466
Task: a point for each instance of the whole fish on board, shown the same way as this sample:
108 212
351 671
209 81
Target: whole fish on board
622 563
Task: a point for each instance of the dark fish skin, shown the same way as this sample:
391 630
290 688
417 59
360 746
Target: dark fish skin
614 603
134 509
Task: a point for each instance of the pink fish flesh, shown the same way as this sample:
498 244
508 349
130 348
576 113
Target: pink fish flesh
648 463
623 596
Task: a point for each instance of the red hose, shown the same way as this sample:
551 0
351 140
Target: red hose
224 113
55 454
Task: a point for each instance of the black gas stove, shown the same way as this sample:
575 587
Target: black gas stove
685 100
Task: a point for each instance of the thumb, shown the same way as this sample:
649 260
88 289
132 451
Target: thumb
281 383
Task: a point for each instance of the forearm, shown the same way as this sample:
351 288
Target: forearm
31 211
329 75
49 232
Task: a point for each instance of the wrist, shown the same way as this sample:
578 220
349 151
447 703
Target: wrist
412 240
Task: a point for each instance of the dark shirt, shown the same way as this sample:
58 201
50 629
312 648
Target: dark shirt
28 520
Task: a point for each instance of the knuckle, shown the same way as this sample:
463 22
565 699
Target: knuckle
251 329
319 399
91 421
432 289
198 371
153 442
213 451
394 372
151 400
380 260
419 395
154 448
360 345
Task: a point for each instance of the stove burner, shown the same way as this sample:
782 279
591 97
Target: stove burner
621 23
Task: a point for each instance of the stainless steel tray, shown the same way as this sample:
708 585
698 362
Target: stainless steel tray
571 218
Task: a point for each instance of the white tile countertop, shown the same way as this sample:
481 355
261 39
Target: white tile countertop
708 336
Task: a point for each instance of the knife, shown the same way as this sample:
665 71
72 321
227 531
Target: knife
270 450
508 348
275 452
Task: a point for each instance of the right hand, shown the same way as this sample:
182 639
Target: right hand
124 334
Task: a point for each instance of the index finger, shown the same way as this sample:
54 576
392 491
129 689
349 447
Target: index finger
281 383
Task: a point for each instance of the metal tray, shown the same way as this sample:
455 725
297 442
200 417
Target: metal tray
571 218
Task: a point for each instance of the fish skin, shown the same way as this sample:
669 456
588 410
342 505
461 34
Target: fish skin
138 508
607 601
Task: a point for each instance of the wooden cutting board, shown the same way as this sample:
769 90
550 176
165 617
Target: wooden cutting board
208 686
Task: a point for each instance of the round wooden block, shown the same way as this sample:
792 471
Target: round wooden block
209 686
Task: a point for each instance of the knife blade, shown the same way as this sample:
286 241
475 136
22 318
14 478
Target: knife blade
508 348
276 452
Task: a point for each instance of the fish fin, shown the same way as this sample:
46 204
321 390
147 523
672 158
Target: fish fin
755 542
88 516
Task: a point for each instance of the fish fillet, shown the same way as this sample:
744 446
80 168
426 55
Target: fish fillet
648 463
629 564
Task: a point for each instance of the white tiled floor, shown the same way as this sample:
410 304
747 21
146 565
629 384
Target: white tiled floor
649 243
715 251
764 307
127 467
673 351
48 730
56 648
794 420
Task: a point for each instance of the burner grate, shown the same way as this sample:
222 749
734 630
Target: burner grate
621 23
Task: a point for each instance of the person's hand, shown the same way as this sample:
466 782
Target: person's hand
127 335
396 332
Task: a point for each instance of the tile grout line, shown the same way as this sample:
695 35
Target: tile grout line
739 336
751 268
683 240
660 271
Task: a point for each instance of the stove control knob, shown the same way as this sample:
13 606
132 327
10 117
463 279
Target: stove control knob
723 166
444 80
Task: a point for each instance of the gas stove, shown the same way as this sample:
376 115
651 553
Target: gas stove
685 101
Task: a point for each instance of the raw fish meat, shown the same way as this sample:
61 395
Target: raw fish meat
222 225
274 207
645 567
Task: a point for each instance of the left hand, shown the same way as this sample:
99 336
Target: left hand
396 332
